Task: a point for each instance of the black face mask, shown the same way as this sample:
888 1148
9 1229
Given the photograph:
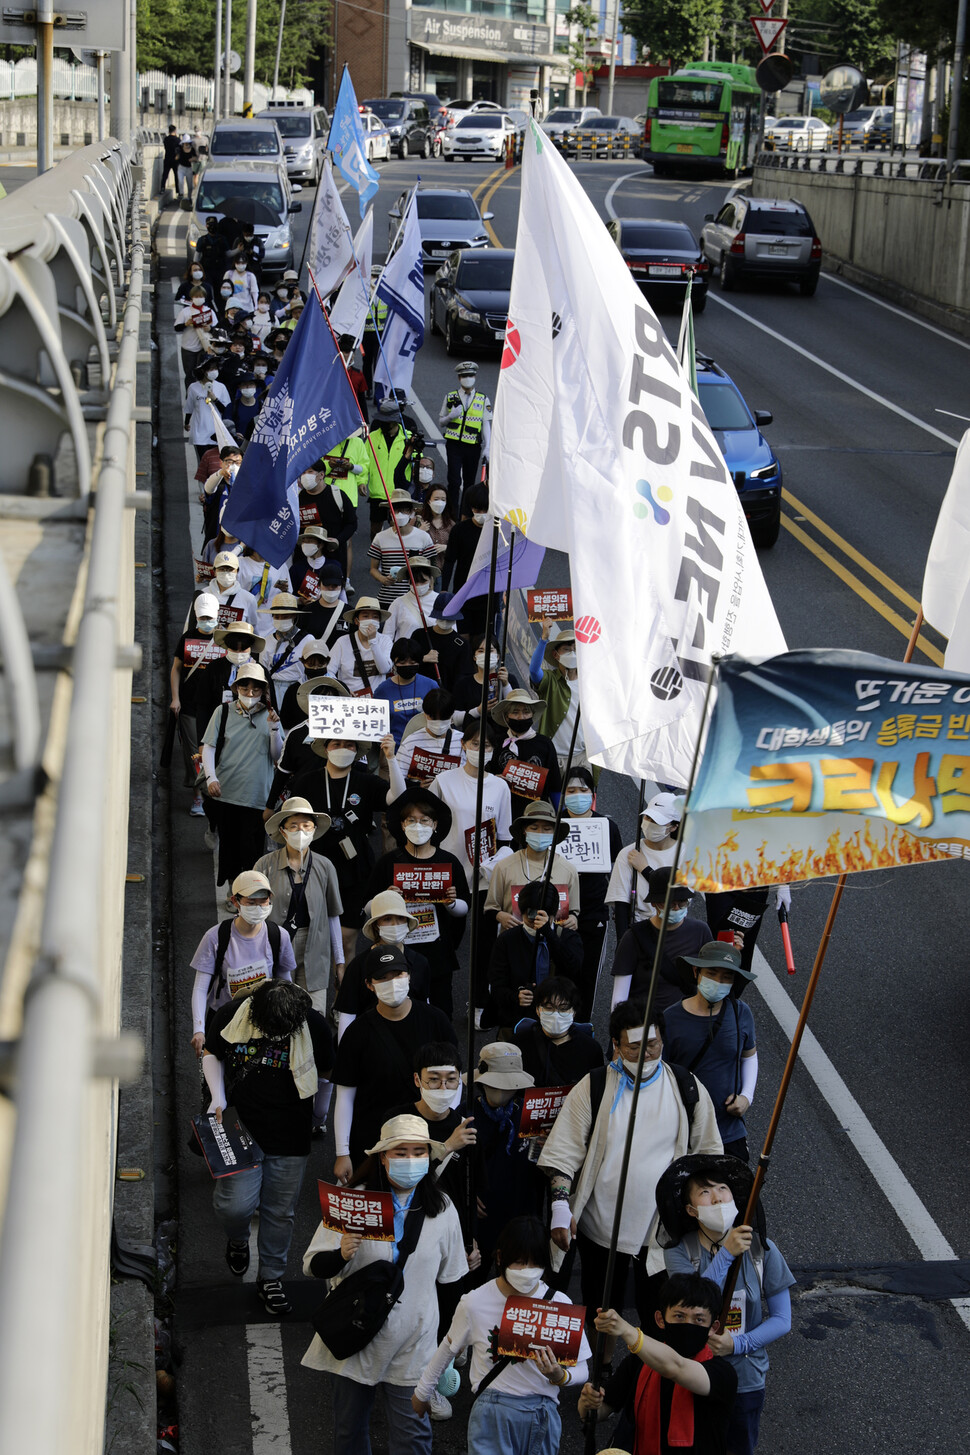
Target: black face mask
406 673
517 725
687 1340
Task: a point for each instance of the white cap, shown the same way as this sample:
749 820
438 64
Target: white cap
206 605
662 808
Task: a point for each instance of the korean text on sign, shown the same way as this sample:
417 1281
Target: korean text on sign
528 1321
540 1107
355 1210
426 765
557 604
563 890
525 779
358 719
587 845
420 882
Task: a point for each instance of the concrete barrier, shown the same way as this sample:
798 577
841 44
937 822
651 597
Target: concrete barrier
75 123
904 236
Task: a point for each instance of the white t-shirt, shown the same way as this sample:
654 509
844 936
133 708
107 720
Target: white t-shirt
477 1314
621 878
343 663
654 1148
460 791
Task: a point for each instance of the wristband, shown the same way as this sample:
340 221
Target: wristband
635 1348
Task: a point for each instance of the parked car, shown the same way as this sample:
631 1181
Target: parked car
407 121
470 299
800 134
304 130
259 192
477 134
871 125
567 118
662 255
235 140
448 218
608 123
753 464
763 237
433 102
377 138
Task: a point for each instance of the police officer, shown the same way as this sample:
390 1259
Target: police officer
466 421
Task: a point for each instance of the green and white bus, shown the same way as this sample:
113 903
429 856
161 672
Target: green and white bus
704 116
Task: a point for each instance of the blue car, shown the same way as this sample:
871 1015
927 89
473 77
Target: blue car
753 464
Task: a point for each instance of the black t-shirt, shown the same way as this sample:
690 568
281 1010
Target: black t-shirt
376 1055
195 668
440 953
538 751
551 1065
635 952
351 803
711 1412
594 886
354 998
452 652
260 1085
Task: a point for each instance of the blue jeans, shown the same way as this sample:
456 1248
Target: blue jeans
513 1424
745 1421
407 1433
273 1189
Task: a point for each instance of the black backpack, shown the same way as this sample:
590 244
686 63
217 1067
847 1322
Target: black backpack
686 1085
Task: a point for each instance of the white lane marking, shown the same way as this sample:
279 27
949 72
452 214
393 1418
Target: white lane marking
432 430
628 177
831 369
267 1390
889 1176
902 313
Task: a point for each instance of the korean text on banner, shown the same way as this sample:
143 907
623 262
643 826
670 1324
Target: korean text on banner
540 1107
600 448
528 1321
556 603
356 1210
423 882
401 287
829 762
330 254
356 719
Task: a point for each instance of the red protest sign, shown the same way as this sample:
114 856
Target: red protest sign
204 570
355 1210
309 587
563 900
528 1321
429 882
488 841
556 603
309 515
527 780
201 649
540 1107
228 615
429 765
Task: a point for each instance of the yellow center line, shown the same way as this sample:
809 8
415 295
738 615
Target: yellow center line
854 555
495 172
504 175
859 587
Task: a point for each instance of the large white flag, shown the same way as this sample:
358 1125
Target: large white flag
599 448
401 287
331 250
349 313
946 581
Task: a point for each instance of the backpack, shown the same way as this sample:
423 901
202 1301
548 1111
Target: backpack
686 1085
222 945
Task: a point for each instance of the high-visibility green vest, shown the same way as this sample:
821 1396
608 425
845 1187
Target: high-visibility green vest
383 460
378 311
467 428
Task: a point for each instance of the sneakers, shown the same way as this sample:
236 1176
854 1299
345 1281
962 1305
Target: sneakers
440 1407
274 1299
237 1257
350 590
478 1017
195 808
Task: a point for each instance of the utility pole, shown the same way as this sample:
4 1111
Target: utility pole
228 85
120 96
249 73
217 66
45 86
615 11
279 47
956 85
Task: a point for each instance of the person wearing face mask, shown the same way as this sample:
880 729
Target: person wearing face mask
699 1200
245 407
580 804
262 318
556 1051
458 787
193 279
673 1391
634 864
507 1183
193 322
298 755
465 418
633 962
411 612
323 612
240 748
387 442
418 822
402 1160
170 151
263 582
533 833
430 732
518 714
525 955
468 686
245 284
517 1403
249 245
210 250
235 363
251 954
281 655
268 1057
405 688
306 896
240 644
712 1032
388 553
186 160
436 514
463 542
203 394
583 1155
215 491
328 502
376 1052
362 658
441 647
389 922
235 603
553 673
196 654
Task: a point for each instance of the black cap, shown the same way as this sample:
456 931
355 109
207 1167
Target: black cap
385 961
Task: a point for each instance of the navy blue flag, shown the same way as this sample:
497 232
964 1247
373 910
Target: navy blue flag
310 407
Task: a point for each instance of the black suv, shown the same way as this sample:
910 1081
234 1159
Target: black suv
408 122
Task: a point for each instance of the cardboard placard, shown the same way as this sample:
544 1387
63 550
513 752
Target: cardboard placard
526 780
355 1210
309 515
419 882
426 765
563 900
226 1146
201 649
556 602
309 587
540 1107
228 616
528 1321
588 846
489 841
426 931
204 570
356 719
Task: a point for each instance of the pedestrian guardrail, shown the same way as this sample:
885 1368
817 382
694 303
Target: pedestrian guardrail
919 169
597 145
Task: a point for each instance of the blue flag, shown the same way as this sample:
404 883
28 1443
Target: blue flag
401 287
310 407
346 142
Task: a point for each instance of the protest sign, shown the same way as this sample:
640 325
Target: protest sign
204 571
488 841
309 587
356 719
556 603
423 882
226 1146
528 1321
309 515
228 616
356 1210
587 846
428 765
563 890
201 649
527 780
540 1107
426 929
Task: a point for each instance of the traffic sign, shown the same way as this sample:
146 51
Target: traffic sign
767 30
235 61
766 5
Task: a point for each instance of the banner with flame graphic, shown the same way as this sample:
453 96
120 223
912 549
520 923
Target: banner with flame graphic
829 762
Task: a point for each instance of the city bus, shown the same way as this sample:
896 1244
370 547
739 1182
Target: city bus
704 116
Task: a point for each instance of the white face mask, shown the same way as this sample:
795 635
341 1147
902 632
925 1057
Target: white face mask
248 704
437 507
423 587
480 660
393 992
466 381
196 272
237 658
260 373
555 1022
342 757
298 838
392 935
437 727
472 756
718 1219
404 517
438 1100
426 477
367 629
283 625
478 516
418 833
212 376
655 833
308 479
523 1280
330 595
649 1067
255 914
312 552
248 393
226 579
569 661
262 308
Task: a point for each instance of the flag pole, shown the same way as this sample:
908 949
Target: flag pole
562 798
599 1349
914 636
636 846
508 596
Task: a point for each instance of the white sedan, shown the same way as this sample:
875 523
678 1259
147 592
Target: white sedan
377 138
800 134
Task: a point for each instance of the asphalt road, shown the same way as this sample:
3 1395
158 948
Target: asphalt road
868 1179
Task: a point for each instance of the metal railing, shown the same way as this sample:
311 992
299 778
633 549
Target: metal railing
861 163
167 93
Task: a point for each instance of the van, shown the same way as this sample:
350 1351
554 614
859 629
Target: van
304 130
235 139
257 192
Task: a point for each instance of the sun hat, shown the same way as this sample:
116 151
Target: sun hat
518 697
365 603
719 955
297 808
239 629
250 672
319 687
387 902
539 813
406 1128
283 601
500 1065
413 795
675 1221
